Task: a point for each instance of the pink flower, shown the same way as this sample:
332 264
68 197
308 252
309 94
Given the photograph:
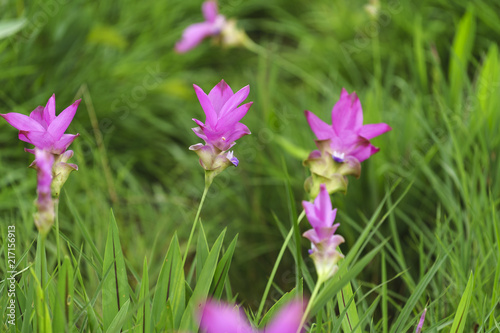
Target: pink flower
324 242
43 129
223 113
421 322
347 135
221 128
212 26
224 318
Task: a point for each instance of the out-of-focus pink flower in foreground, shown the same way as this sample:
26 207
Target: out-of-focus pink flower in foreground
195 33
43 129
421 322
222 127
324 242
347 135
44 217
218 317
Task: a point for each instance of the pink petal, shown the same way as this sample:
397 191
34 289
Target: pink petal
233 102
59 125
63 143
193 35
237 132
41 140
372 130
37 115
233 117
209 10
199 132
364 151
223 318
322 130
49 113
287 320
323 205
347 114
206 104
219 95
22 122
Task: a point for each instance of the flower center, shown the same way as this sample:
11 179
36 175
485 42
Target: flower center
223 138
338 157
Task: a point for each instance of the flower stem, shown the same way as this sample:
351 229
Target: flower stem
310 303
56 212
41 260
207 186
275 268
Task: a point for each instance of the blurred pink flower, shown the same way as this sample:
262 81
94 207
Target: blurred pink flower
421 322
347 135
43 129
218 317
324 242
212 26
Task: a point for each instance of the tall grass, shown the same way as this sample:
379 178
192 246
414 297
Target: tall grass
430 197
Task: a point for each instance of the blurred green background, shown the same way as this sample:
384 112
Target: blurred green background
430 69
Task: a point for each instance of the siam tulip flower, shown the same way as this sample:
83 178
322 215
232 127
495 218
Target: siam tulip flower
224 318
214 25
421 322
43 129
324 242
44 217
342 146
221 128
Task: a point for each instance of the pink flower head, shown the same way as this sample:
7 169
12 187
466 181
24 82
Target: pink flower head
224 318
212 26
223 113
43 129
347 135
324 242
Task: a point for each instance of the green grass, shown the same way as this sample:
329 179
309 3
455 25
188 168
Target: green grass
430 70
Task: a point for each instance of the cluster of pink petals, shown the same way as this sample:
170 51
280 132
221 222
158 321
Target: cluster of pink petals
347 134
218 317
43 129
324 241
195 33
221 127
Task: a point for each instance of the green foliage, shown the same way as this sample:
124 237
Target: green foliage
421 224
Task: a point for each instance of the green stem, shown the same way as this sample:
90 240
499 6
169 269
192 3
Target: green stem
205 191
276 264
310 304
56 211
43 259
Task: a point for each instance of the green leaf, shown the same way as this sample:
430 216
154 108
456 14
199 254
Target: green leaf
351 318
419 289
201 251
8 28
63 307
222 270
200 292
43 322
143 321
460 54
115 288
120 319
463 307
285 299
170 286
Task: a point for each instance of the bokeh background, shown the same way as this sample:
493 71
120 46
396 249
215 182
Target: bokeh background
430 69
